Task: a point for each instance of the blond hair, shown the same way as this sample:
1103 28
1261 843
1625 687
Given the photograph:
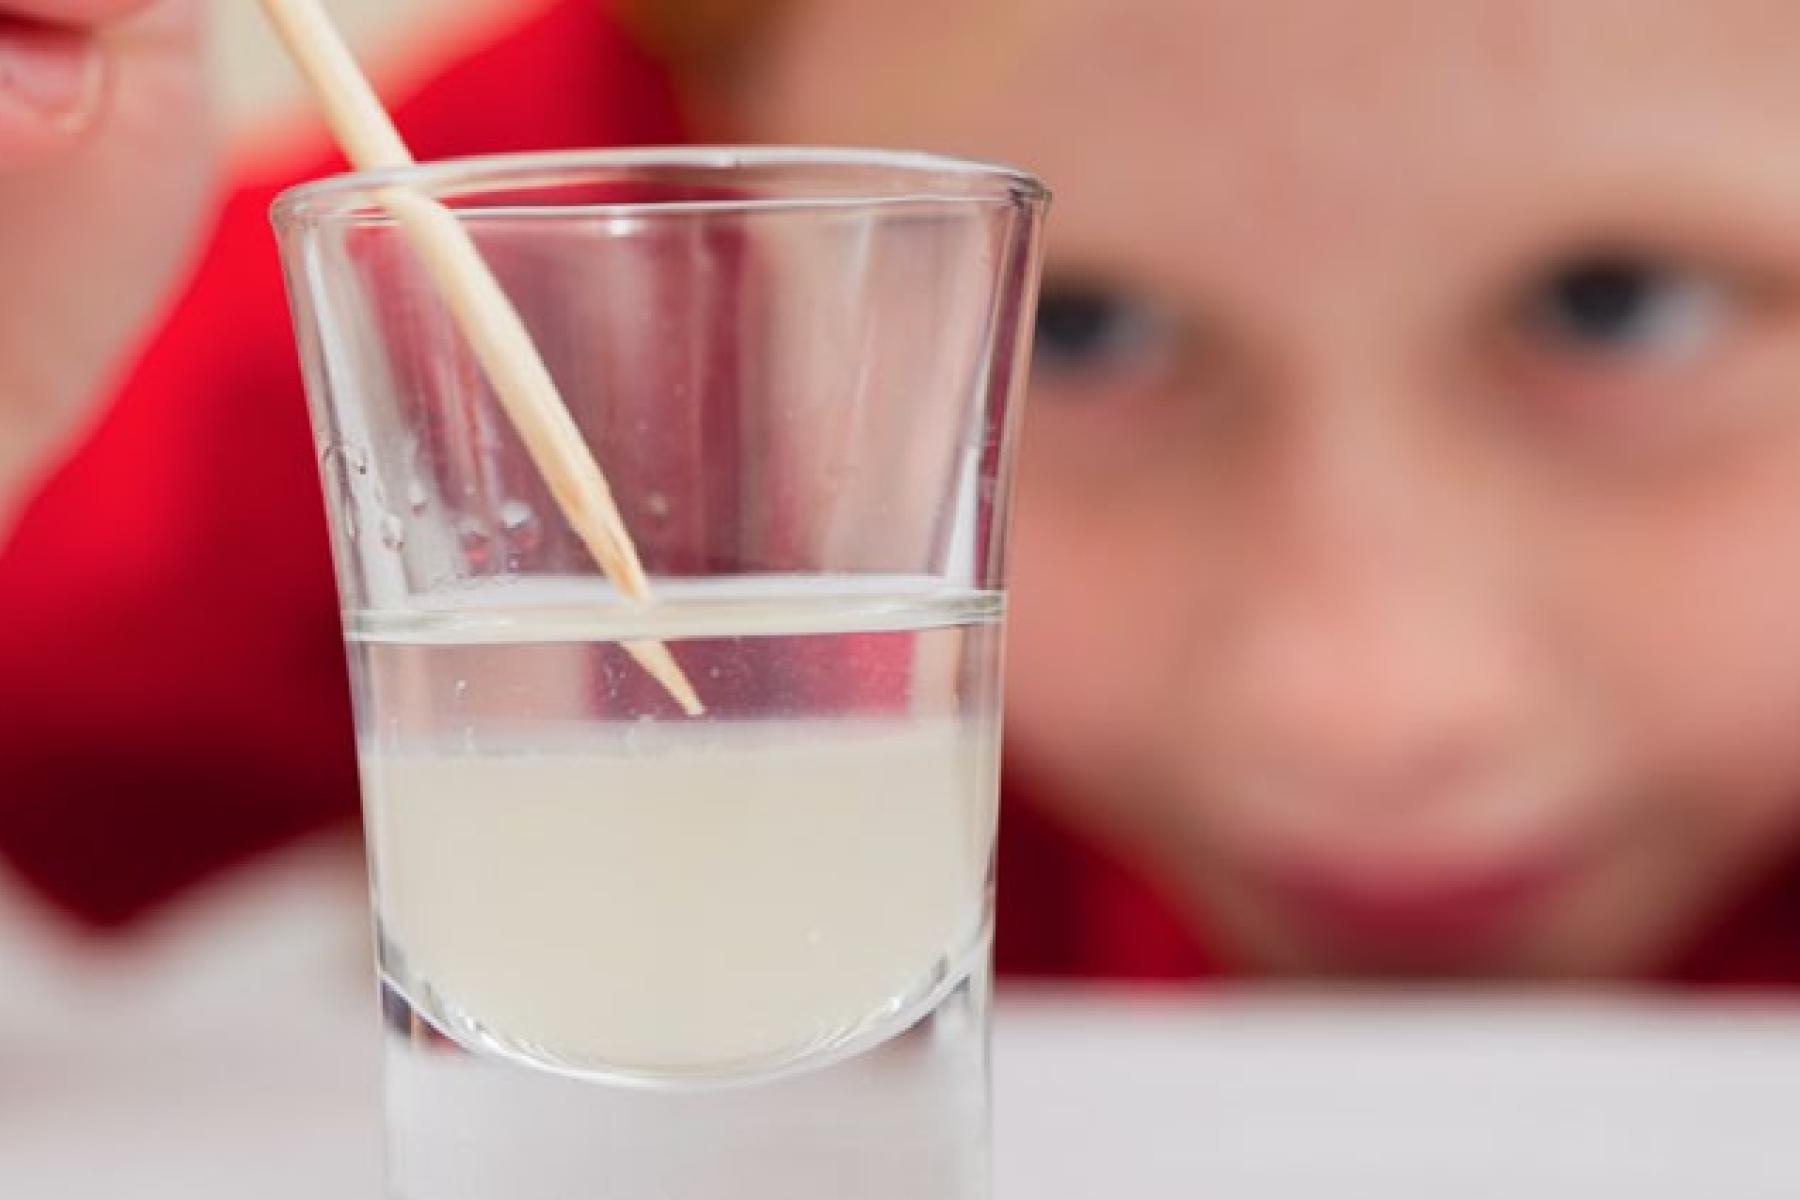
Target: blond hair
706 41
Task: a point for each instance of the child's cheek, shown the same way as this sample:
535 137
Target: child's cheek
1104 573
1681 600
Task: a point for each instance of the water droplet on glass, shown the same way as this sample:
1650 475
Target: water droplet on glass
416 496
393 532
462 688
657 503
515 515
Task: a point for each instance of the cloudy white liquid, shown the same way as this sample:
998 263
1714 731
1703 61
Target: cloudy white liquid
670 898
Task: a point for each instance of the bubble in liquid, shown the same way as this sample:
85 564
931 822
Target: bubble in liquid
520 523
416 495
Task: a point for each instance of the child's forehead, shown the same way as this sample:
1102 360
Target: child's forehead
1250 59
1241 144
1281 94
1392 56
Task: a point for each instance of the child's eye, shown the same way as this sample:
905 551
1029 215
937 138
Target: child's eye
1627 309
1090 333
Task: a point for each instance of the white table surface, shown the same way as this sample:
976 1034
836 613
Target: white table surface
231 1056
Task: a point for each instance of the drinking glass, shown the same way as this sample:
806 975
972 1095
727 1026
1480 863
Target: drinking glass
626 952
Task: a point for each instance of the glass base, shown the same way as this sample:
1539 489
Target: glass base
906 1119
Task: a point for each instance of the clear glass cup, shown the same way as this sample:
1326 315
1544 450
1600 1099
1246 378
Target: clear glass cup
626 953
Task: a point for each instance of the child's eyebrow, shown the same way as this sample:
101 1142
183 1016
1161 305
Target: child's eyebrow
1659 195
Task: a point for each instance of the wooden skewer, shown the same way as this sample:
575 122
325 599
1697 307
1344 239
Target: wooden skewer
494 330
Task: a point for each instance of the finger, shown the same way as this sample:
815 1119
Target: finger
72 12
50 84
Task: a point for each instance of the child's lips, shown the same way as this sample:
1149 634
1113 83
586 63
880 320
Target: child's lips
1430 911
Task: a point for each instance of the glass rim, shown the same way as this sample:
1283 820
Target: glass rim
917 177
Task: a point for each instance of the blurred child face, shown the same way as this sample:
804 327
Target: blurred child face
1408 544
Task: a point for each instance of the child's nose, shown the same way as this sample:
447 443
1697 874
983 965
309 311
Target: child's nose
1370 701
1379 656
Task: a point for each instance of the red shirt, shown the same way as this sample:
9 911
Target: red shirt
174 697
